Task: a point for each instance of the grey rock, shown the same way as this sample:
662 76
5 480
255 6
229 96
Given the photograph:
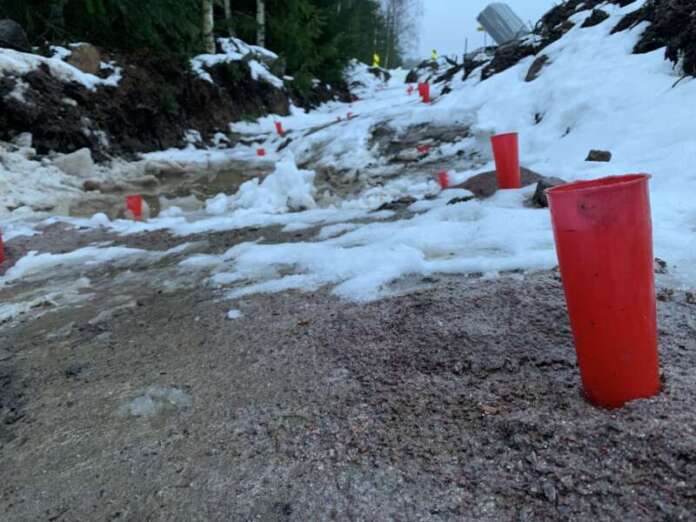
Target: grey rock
599 155
85 57
12 35
536 68
596 18
539 198
484 185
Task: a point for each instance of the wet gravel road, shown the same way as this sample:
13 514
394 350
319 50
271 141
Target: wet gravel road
137 399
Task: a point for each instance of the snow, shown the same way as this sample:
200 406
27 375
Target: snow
155 400
234 314
35 263
235 50
16 63
594 94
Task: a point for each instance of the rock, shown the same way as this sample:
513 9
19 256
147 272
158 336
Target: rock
599 155
539 198
85 57
660 266
13 36
506 56
78 163
596 18
380 73
398 204
24 140
464 199
486 184
536 68
91 186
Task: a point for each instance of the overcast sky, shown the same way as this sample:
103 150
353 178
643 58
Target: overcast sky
446 23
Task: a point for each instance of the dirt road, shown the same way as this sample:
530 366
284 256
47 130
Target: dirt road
129 395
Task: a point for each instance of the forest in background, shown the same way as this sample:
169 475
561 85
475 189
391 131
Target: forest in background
315 38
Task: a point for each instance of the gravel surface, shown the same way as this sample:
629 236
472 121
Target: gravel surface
456 399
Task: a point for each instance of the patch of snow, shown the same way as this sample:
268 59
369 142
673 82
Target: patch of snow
234 314
155 400
17 63
235 50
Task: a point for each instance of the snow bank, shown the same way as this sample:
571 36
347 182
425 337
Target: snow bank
26 183
235 50
16 63
288 188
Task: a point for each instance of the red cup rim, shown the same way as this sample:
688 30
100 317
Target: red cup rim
598 185
504 135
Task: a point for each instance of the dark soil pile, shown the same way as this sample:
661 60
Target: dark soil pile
155 103
672 25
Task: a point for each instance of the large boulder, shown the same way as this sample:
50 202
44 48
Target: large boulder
486 184
85 57
78 163
13 36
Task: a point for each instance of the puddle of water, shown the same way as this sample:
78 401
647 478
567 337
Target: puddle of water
188 191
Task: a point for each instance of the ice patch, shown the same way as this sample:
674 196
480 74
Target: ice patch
156 400
234 314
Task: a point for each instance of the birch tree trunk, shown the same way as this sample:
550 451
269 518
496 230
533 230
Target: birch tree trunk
261 22
228 17
208 27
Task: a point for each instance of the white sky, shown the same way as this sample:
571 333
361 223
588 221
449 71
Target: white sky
447 23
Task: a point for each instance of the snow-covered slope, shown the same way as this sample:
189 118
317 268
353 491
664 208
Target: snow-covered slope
594 94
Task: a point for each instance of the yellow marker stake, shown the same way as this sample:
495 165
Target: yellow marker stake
376 60
434 55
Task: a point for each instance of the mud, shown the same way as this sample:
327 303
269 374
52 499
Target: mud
456 399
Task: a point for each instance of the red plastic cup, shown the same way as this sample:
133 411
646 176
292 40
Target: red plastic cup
425 94
603 233
261 152
443 179
279 128
507 160
423 149
135 205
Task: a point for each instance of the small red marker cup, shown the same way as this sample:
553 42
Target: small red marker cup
423 149
261 152
279 128
443 179
507 160
134 204
424 91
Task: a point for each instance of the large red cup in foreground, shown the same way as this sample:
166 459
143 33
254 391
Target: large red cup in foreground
506 152
603 233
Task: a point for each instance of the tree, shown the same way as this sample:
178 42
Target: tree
228 17
261 23
208 26
401 29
